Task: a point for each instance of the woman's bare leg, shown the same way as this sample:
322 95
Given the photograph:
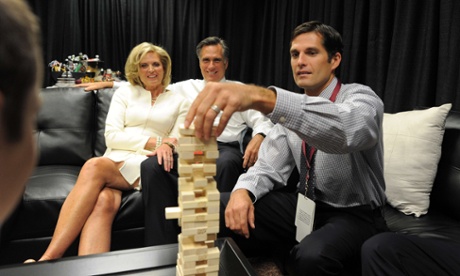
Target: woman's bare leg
96 233
96 174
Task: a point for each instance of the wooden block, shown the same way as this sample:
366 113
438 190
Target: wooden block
210 187
186 196
212 154
201 170
184 169
200 217
192 140
200 182
212 194
195 224
199 269
191 131
179 271
173 212
186 155
200 231
213 209
209 169
212 253
210 243
188 182
188 263
199 203
187 131
187 246
197 146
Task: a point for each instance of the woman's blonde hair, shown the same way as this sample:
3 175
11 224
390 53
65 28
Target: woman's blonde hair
137 54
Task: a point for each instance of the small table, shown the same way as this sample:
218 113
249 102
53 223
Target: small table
153 260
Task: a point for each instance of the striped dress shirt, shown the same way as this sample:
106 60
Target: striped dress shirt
348 138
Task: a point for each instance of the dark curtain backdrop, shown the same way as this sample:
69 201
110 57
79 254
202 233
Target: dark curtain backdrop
408 51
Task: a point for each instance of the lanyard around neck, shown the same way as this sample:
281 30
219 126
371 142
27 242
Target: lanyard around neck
312 150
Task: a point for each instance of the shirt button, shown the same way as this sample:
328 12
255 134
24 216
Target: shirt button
282 119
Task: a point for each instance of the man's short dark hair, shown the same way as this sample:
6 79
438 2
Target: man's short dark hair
20 63
332 40
213 40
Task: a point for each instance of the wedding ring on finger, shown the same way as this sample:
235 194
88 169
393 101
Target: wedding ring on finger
215 108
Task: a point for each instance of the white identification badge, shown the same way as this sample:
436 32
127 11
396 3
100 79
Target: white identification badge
304 216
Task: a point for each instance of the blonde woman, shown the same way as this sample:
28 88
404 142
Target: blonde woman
144 118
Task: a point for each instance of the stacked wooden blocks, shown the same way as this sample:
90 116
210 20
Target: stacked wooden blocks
198 211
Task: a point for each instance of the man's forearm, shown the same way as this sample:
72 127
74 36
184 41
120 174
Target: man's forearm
263 99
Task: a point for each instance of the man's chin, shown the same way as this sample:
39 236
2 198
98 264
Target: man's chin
212 79
303 83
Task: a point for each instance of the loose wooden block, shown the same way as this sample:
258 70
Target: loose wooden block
173 212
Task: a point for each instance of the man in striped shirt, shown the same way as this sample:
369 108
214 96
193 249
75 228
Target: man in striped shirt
344 178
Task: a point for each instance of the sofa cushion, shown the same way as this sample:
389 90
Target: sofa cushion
435 224
412 148
41 203
65 126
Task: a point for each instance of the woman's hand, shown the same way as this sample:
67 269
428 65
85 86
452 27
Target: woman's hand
165 156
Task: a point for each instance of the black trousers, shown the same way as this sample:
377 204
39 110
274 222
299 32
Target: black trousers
331 249
398 254
229 166
159 190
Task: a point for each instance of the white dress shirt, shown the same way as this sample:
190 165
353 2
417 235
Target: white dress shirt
238 123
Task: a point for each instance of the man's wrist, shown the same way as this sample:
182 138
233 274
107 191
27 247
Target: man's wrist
264 100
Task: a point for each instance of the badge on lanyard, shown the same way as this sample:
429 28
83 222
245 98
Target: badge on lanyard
305 211
304 216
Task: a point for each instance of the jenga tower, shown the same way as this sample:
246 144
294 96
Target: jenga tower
198 211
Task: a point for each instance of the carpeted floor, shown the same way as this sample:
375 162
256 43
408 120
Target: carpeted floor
265 266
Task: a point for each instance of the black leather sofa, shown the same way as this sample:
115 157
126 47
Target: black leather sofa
443 218
70 130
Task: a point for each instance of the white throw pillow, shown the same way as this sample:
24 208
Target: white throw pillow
412 148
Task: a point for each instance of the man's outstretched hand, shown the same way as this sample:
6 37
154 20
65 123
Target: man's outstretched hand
227 98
